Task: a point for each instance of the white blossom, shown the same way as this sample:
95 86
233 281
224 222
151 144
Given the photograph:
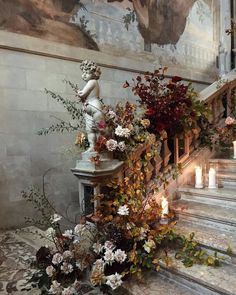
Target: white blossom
67 267
79 229
55 288
149 245
55 218
114 281
67 254
111 145
69 291
97 248
109 245
120 256
111 114
50 232
122 132
142 234
109 257
123 210
50 270
121 146
57 258
68 234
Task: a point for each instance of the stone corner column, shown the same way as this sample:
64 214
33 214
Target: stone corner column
92 176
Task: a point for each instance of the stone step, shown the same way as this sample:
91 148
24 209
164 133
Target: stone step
206 280
210 238
155 283
226 179
227 165
221 197
209 215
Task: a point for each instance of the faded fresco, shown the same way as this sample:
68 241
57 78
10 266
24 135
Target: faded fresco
170 31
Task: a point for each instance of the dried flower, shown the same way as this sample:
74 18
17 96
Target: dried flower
114 281
50 232
55 218
145 123
123 210
97 276
111 145
230 121
55 288
121 146
67 254
97 248
149 245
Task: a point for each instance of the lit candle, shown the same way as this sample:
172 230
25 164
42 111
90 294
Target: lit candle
198 177
234 143
164 206
212 178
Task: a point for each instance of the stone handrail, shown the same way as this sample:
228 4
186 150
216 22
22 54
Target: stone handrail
221 100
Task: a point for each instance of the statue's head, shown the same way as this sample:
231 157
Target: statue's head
90 70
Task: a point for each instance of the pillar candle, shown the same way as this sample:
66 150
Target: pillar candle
198 177
234 143
212 178
164 206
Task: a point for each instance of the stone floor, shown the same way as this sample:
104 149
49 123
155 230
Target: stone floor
17 251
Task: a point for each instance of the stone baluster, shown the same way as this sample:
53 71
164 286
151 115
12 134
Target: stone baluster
166 153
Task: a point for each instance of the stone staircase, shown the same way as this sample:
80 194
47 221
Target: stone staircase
211 215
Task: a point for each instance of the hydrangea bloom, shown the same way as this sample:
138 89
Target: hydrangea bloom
114 281
122 132
123 210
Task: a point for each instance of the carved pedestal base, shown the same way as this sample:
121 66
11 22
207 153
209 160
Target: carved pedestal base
92 176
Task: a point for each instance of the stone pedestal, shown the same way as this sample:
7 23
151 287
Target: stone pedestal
92 176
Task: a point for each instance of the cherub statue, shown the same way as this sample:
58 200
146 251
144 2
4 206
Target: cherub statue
89 96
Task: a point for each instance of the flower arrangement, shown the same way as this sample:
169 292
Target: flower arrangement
121 239
226 133
170 104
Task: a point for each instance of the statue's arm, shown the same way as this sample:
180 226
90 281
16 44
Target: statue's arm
87 89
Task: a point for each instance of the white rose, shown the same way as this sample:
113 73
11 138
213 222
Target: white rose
111 145
50 270
114 281
123 210
109 257
57 258
120 256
